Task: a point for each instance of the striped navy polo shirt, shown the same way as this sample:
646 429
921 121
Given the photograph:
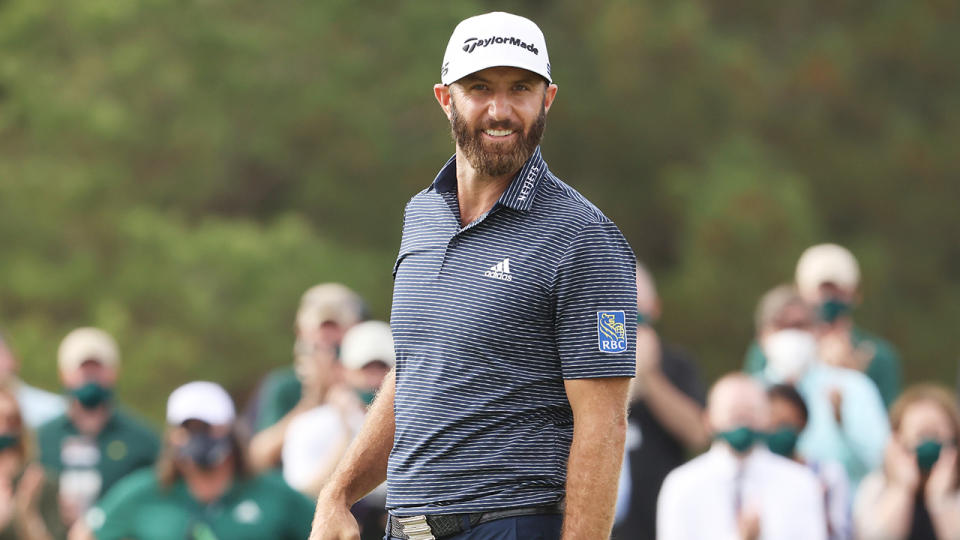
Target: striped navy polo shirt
488 320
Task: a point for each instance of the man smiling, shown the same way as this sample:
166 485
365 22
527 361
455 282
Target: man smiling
506 415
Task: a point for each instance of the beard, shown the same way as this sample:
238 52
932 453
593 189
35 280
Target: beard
496 159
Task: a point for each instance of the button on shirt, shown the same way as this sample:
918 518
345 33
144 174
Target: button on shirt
488 321
700 499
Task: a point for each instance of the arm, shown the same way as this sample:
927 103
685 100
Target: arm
677 412
599 430
884 504
363 468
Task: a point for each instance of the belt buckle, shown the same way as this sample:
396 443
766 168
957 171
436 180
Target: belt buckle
416 528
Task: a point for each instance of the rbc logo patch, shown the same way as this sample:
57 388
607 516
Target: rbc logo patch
611 331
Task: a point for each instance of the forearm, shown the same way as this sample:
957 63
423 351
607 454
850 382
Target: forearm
680 415
267 446
889 516
945 516
364 466
593 471
30 526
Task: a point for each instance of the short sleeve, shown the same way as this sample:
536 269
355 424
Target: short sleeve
111 518
595 295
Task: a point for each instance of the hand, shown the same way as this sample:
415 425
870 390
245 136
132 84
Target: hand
901 466
28 491
943 478
748 525
333 520
837 349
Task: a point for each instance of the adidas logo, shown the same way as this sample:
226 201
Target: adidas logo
501 270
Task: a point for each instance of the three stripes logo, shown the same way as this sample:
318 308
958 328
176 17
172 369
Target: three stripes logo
501 271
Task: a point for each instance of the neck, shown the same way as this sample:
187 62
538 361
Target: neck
209 486
477 192
89 421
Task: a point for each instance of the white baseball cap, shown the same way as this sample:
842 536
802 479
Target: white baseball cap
85 344
367 342
200 400
495 39
827 263
329 302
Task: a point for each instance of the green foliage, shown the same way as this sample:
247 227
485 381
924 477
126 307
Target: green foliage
178 172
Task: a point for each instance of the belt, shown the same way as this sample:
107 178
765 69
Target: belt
439 526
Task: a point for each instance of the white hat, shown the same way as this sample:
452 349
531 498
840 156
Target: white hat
827 263
495 39
329 302
367 342
85 344
200 400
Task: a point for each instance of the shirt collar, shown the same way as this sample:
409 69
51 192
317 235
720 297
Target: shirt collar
519 193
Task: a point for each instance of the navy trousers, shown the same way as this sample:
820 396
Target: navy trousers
541 527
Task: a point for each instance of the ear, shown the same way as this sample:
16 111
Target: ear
442 93
549 97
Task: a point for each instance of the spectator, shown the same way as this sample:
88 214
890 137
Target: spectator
828 278
28 499
916 493
848 422
37 406
788 418
200 488
665 420
95 443
326 312
739 489
317 439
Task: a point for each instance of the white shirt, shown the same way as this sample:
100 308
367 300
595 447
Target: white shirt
699 499
38 406
311 440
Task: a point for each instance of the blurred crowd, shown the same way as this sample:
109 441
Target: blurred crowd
813 439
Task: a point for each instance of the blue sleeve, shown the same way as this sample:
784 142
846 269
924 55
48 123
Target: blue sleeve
595 294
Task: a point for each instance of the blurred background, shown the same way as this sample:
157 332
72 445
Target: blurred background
179 172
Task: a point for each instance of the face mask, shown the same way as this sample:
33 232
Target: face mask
366 396
92 395
740 439
833 309
783 441
789 354
205 451
928 452
8 440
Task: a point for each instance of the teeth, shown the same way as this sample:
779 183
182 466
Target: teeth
498 132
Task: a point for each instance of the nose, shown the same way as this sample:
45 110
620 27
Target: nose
499 107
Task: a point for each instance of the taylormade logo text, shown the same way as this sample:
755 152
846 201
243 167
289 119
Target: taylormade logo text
472 43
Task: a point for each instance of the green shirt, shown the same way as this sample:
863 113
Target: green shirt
280 394
91 466
258 508
884 368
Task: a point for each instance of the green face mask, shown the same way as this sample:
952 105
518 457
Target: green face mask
92 395
366 396
928 452
8 439
740 439
783 441
833 309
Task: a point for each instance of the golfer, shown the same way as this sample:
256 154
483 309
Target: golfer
513 318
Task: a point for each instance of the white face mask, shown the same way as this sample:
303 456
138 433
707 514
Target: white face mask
789 354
